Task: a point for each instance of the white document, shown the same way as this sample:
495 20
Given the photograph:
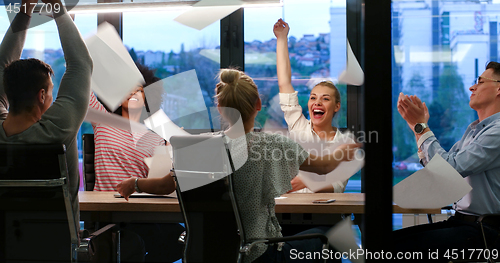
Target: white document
160 164
342 238
436 185
353 74
184 99
204 13
114 120
163 126
343 171
115 74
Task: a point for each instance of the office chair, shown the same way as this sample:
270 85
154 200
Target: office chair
37 219
203 173
88 161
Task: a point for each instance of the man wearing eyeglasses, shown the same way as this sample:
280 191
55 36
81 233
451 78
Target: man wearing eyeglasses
477 158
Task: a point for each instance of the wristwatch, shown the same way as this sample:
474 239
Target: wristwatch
420 127
136 186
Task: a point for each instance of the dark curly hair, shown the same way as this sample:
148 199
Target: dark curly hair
154 92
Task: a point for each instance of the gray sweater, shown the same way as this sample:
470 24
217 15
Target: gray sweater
60 123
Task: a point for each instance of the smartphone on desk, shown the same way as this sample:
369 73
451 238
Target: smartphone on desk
324 201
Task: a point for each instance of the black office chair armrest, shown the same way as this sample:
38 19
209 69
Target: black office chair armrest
108 227
87 251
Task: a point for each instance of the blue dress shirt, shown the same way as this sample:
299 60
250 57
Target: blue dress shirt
477 158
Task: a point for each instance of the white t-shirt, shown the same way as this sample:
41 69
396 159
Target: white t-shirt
298 123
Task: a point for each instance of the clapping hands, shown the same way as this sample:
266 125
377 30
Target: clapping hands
412 109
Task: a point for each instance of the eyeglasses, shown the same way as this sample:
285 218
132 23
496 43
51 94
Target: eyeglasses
479 79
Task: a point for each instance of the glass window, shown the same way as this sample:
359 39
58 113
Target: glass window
317 49
440 47
157 41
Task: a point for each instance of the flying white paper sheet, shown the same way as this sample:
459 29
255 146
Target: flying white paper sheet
206 14
115 74
160 164
436 185
342 238
114 120
203 159
199 160
343 171
353 74
163 126
184 99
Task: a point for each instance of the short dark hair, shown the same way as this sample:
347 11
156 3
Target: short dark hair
495 66
22 80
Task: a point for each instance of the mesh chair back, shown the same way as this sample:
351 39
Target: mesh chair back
202 171
37 220
88 161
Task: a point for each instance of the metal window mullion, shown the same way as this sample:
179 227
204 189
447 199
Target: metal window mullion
115 19
232 46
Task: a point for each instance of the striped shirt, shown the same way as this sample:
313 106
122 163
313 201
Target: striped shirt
119 154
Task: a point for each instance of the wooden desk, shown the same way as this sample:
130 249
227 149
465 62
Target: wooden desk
104 207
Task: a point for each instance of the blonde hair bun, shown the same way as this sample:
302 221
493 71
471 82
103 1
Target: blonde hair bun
238 91
229 76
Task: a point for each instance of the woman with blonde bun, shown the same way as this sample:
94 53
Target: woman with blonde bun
265 176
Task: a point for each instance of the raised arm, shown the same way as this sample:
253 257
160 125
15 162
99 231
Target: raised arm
283 67
70 107
328 163
12 47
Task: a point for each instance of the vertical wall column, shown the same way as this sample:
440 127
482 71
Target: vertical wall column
377 93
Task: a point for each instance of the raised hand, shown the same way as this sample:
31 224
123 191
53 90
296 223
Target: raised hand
281 29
